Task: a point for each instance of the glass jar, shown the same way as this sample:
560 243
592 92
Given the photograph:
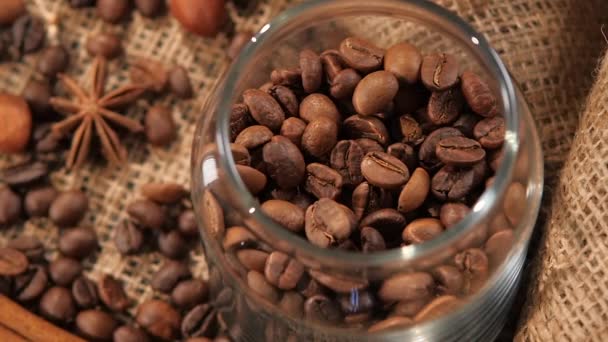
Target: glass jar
498 226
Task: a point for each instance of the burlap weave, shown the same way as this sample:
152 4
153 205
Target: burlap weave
550 46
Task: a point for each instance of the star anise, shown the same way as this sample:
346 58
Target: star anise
92 109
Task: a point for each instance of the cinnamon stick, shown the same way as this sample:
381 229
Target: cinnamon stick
30 326
8 335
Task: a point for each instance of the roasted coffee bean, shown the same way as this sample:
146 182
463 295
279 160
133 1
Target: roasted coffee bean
159 126
128 333
84 293
159 319
57 305
179 81
128 239
112 11
187 224
323 181
253 179
343 85
409 308
212 215
361 54
490 132
147 214
11 10
437 308
391 323
237 43
287 77
31 284
282 271
64 271
320 137
357 302
150 73
328 223
498 246
369 145
368 198
25 173
452 213
254 136
283 194
104 44
415 191
309 287
284 162
371 240
252 259
404 61
29 245
322 309
240 118
514 205
189 293
53 60
338 284
149 8
96 324
445 106
37 95
466 123
258 284
38 201
375 92
163 192
495 159
236 236
449 279
292 304
200 321
451 183
240 154
112 293
69 208
10 206
410 130
439 71
172 245
383 170
346 158
407 286
332 63
459 151
28 34
286 214
478 94
317 105
388 221
357 126
264 108
302 200
312 71
286 98
405 153
170 273
474 265
293 129
77 243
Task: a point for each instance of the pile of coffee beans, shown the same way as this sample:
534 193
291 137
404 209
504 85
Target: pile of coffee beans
20 32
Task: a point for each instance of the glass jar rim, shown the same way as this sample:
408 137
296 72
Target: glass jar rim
301 246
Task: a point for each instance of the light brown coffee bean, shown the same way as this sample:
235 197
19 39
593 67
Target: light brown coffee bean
332 63
293 129
438 307
179 82
38 201
312 70
474 265
421 230
449 280
375 92
252 259
78 243
409 308
283 271
320 137
452 213
323 181
254 136
112 293
264 108
240 154
328 223
284 162
12 262
357 126
159 319
404 61
498 247
127 333
69 208
459 151
318 105
253 179
96 324
147 214
236 236
286 214
212 214
286 98
406 286
383 170
514 204
415 191
165 193
439 71
343 85
391 323
292 304
104 44
258 284
478 94
339 284
361 54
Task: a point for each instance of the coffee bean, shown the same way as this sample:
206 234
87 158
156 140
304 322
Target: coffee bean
514 204
438 307
293 129
258 284
451 183
240 154
406 286
264 108
147 214
302 200
236 236
252 259
112 293
159 126
11 10
404 61
288 77
452 213
237 43
150 73
240 118
254 136
189 293
328 223
46 144
320 137
338 284
478 95
128 239
29 245
318 105
104 44
31 284
421 230
37 95
212 214
163 192
69 208
57 305
292 304
282 271
410 130
466 123
149 8
495 159
38 201
96 324
84 293
388 221
179 81
284 162
369 145
253 179
28 34
368 198
343 85
383 170
323 181
490 132
409 308
112 11
375 92
172 245
391 323
449 280
128 333
159 319
286 214
53 60
10 206
474 265
459 151
415 191
357 126
445 106
25 173
77 243
498 247
64 271
371 240
187 224
286 98
312 71
200 321
405 153
321 309
170 273
361 54
346 158
332 63
439 71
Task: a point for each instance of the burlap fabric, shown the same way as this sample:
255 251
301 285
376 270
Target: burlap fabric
550 46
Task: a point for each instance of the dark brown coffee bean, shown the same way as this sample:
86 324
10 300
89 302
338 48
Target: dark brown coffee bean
64 270
323 181
128 239
172 245
490 132
149 8
438 307
474 265
29 245
170 273
451 183
328 223
37 95
287 77
452 213
46 144
163 192
321 309
253 179
371 240
346 158
466 123
283 271
69 208
415 191
357 126
286 98
53 60
159 319
10 206
104 44
368 198
404 61
77 243
237 43
147 214
179 82
459 151
236 236
369 145
391 323
318 105
410 130
426 153
320 137
159 126
240 118
96 324
28 34
361 54
292 303
25 173
388 221
264 108
84 292
343 85
31 284
112 293
200 321
478 95
38 201
411 98
302 200
514 205
445 106
57 305
450 280
407 286
258 284
253 136
128 333
286 214
293 129
189 293
332 63
405 153
252 259
112 11
284 162
498 247
187 224
312 71
375 92
439 71
383 170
